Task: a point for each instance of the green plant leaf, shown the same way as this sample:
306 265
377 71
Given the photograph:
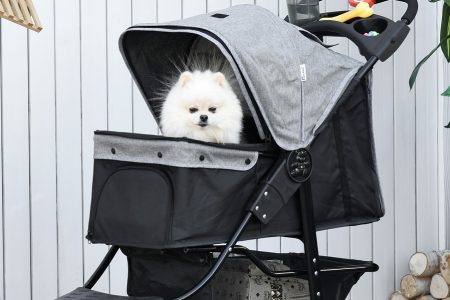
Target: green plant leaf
446 93
445 29
412 78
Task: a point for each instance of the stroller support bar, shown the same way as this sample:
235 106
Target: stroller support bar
284 180
362 266
220 260
310 240
101 268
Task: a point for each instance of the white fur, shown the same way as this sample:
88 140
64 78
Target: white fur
202 91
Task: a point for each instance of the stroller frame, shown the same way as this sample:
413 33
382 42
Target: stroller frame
309 238
282 170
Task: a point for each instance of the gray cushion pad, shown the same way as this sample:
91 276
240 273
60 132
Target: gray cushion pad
86 294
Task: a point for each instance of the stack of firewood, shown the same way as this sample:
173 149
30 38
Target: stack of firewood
429 277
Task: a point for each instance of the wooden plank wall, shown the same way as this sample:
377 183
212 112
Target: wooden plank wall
58 86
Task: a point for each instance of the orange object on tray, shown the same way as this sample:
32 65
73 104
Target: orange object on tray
356 2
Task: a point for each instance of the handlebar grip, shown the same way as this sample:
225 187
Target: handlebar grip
410 12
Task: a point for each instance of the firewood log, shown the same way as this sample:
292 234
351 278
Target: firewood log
397 296
423 264
445 266
426 297
439 288
411 286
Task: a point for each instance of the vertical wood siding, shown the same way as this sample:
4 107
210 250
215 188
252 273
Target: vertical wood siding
58 86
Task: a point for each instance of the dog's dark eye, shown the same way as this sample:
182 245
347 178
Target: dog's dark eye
193 110
212 109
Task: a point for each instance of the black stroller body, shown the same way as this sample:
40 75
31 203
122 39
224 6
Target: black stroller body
169 202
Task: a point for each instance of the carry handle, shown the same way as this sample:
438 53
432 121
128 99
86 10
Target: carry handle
411 10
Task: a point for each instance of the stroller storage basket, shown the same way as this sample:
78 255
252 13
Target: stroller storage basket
170 273
159 192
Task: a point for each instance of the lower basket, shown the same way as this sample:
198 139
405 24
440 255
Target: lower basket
169 274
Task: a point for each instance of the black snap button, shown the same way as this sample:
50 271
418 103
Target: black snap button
159 154
113 150
202 158
248 161
219 16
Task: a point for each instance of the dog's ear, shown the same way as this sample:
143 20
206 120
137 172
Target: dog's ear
220 79
185 77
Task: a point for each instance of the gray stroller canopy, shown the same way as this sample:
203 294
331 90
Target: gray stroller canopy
289 82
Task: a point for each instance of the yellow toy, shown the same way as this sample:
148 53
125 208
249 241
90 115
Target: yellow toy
362 10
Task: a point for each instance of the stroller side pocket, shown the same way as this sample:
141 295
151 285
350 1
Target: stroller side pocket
128 204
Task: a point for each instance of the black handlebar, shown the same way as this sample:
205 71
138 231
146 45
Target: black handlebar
410 12
391 34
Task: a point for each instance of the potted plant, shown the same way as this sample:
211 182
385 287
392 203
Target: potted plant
444 45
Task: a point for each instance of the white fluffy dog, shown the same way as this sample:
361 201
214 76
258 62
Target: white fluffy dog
202 106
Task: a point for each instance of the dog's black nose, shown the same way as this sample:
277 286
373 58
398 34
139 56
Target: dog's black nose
203 118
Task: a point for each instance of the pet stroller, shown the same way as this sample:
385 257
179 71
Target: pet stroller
176 207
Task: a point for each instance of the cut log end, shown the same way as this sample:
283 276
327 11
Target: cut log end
425 264
414 286
397 296
445 266
418 263
426 297
439 287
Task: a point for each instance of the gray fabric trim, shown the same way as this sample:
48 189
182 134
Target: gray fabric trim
174 153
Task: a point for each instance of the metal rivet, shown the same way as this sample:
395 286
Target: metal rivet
318 294
264 216
113 150
316 273
202 158
266 193
248 161
314 260
159 154
230 249
257 208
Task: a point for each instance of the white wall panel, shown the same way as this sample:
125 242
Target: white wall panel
214 5
383 231
16 206
68 145
44 238
94 113
426 131
404 153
